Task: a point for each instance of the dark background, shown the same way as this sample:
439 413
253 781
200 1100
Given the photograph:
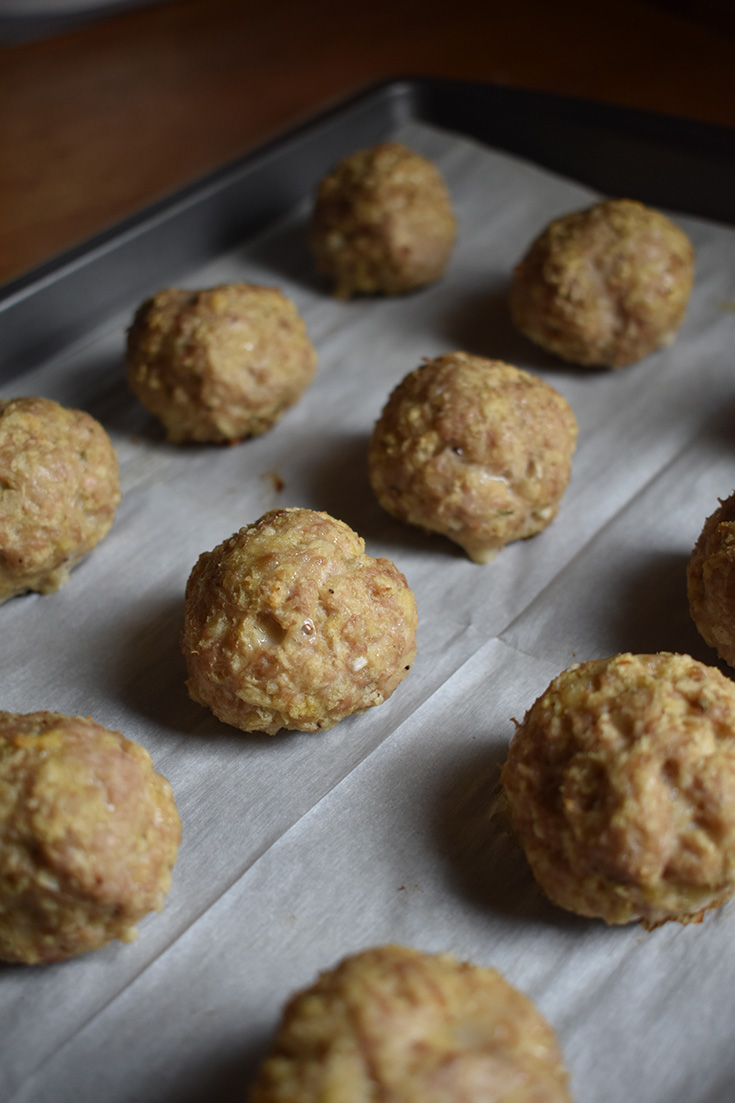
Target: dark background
100 118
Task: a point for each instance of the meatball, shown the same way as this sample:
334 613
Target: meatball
604 286
474 449
621 786
219 365
711 581
59 490
382 223
397 1024
290 625
88 836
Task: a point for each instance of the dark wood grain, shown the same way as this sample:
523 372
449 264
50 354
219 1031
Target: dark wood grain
98 122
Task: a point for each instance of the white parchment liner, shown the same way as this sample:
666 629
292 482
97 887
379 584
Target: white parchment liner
300 849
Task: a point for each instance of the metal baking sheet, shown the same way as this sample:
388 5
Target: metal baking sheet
300 849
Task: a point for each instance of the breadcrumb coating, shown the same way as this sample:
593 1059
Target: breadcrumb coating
219 365
604 286
382 222
59 491
289 624
711 581
397 1024
474 449
621 786
89 833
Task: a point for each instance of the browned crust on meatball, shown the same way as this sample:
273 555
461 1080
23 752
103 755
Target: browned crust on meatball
219 365
290 625
711 581
396 1024
88 836
59 490
604 286
474 449
382 223
621 786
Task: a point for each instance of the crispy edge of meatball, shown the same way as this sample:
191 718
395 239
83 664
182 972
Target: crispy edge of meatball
711 581
445 456
186 363
382 223
59 492
600 843
583 294
395 1022
73 874
299 596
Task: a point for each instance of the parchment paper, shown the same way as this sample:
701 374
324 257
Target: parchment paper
301 849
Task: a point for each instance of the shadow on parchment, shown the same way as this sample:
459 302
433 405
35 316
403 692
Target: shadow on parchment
718 436
285 253
105 394
227 1083
481 324
473 837
151 672
340 486
151 677
651 612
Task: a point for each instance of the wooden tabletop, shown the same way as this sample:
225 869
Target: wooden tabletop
98 122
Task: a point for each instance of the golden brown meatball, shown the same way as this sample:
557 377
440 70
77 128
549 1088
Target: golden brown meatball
711 581
88 836
383 222
474 449
621 786
604 286
290 625
396 1024
219 365
59 490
